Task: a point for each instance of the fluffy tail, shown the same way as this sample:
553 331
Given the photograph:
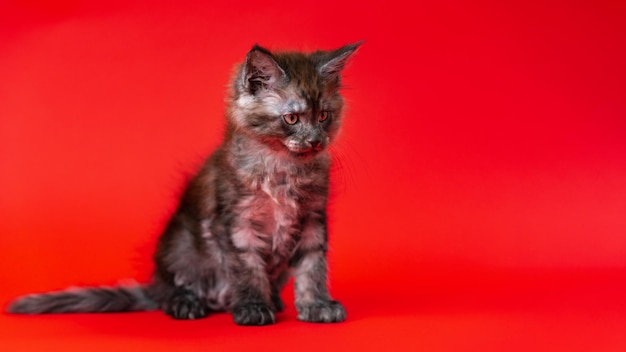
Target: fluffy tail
99 299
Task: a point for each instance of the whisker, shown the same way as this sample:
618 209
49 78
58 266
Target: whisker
344 172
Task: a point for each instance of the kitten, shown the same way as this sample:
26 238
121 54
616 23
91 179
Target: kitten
255 214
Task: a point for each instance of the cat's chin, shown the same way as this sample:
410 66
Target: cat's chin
304 154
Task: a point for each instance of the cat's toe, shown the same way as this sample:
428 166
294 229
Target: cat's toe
324 312
253 314
185 307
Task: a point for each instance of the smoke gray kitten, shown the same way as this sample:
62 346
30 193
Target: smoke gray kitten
255 213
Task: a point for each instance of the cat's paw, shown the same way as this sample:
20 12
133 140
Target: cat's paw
253 314
322 312
185 305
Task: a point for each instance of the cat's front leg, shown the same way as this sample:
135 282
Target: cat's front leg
313 301
251 297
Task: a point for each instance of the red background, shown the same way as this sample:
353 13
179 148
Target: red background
479 204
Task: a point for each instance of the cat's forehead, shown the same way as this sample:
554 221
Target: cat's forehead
299 97
298 66
295 99
303 74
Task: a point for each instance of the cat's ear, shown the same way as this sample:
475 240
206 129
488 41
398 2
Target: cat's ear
333 62
261 71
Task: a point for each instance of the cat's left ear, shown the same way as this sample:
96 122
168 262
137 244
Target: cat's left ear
334 61
261 71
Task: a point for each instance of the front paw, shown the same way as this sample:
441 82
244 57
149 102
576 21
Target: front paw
253 314
322 312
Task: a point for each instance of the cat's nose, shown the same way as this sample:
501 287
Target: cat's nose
316 144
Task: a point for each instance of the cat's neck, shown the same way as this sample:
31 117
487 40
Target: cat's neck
275 172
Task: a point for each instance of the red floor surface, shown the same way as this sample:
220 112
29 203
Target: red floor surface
479 195
527 312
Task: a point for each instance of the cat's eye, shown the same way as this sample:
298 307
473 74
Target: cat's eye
290 119
324 115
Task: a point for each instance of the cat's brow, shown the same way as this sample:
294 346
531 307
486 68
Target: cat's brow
297 107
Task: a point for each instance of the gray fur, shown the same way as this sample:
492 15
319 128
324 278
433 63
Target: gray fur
102 299
254 214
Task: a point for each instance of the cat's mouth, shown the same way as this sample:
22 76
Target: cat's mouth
304 153
292 149
307 151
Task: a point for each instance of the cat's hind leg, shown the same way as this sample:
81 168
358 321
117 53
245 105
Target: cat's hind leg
278 303
278 280
184 304
184 269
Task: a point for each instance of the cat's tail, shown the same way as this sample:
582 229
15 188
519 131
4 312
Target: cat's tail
86 300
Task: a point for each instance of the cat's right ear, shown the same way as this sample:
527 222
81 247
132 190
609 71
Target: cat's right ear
261 71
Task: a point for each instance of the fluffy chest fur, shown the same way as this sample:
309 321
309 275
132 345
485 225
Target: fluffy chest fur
278 194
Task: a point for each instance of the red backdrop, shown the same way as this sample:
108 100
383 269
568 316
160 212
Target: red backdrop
483 160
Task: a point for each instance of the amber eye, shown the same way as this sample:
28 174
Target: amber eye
290 119
324 116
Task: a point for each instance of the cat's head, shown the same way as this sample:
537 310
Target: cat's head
290 101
